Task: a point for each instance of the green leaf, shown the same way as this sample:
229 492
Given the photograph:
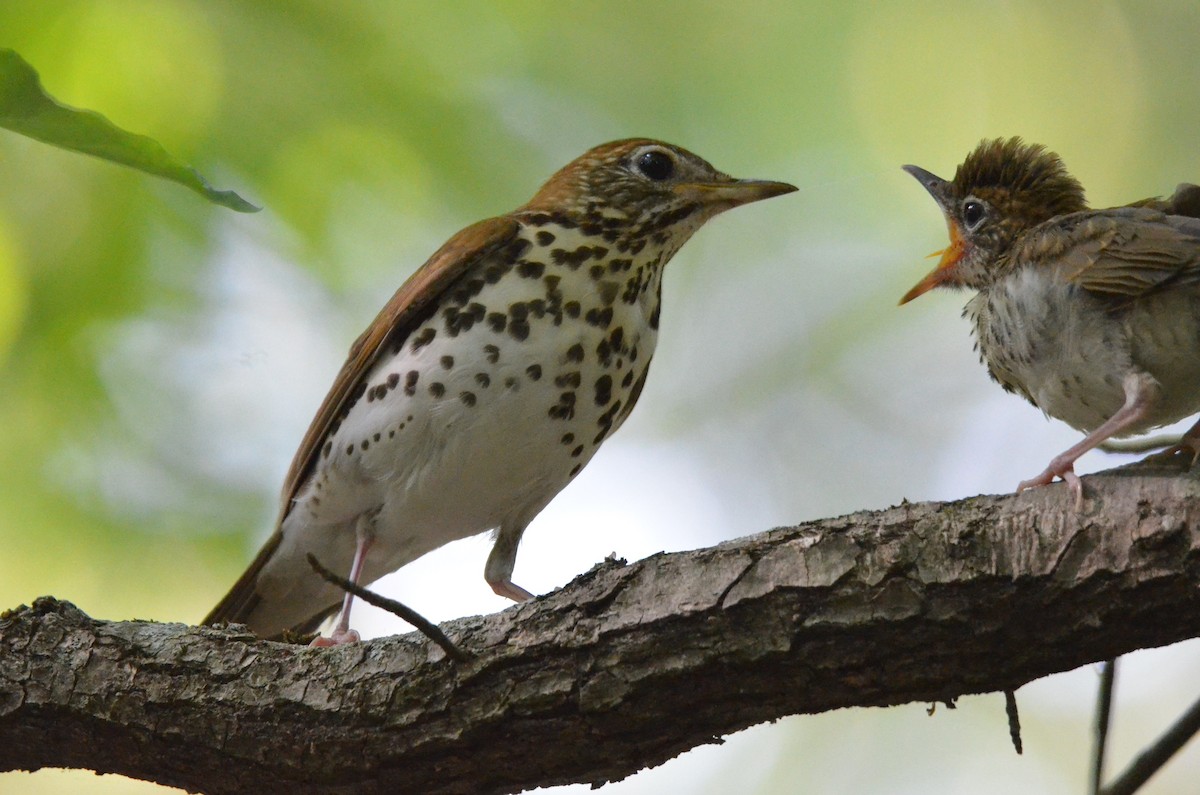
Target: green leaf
26 108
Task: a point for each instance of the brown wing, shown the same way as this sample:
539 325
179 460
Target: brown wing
1129 252
407 309
1184 201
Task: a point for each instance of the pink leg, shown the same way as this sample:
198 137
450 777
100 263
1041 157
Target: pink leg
500 563
1140 394
341 631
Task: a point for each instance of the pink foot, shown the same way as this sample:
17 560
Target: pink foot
1057 470
336 638
511 590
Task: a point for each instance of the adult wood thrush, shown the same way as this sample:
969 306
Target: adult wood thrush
486 383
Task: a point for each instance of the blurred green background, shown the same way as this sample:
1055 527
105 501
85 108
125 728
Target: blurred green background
160 357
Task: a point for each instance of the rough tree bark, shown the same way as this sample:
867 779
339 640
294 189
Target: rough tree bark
629 665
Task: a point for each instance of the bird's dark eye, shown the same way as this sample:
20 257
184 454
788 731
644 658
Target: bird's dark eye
973 212
656 165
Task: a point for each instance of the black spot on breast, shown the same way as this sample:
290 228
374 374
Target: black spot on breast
423 338
327 449
349 449
572 308
365 444
599 317
376 437
468 398
578 451
510 382
492 353
628 379
483 379
517 249
573 259
453 320
574 353
534 371
575 470
447 362
567 438
518 330
437 389
497 320
410 382
606 420
608 292
392 380
565 408
493 274
531 269
596 272
571 379
654 316
545 238
603 390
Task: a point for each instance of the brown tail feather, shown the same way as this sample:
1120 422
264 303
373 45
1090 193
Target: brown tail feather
239 604
243 598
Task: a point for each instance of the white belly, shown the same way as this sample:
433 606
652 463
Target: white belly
463 433
1068 352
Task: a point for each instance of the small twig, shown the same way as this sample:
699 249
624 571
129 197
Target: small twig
1150 760
1014 719
1108 680
423 625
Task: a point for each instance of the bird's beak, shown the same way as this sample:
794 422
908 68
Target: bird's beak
944 272
734 193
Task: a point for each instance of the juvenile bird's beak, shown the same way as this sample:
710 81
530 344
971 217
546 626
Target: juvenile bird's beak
734 193
939 189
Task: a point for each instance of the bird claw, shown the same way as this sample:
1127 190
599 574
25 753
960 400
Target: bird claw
1055 470
511 590
336 638
1188 444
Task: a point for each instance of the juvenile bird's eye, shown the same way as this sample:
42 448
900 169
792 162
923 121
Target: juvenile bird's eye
973 212
656 165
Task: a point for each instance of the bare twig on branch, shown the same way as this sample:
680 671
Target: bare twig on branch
399 609
1156 755
629 665
1108 680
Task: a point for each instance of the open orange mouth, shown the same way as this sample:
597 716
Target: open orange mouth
944 272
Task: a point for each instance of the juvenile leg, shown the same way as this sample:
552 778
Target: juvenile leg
1141 391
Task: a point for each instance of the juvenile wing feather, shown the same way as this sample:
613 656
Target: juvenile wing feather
1125 253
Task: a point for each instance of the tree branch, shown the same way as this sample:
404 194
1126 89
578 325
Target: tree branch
629 665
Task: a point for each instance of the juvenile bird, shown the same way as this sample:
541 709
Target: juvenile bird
486 383
1093 316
